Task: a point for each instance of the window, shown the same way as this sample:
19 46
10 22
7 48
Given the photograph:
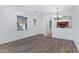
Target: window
62 24
34 22
21 23
65 22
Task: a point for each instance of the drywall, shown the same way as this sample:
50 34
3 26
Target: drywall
46 23
7 24
8 29
64 33
31 29
76 27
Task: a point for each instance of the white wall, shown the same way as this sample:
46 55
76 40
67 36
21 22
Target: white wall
8 29
76 28
31 29
7 24
47 29
64 33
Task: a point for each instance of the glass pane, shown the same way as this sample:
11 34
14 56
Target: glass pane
21 23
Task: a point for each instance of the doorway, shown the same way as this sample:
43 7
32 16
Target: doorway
50 29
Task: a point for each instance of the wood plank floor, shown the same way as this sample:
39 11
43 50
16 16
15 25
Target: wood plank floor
39 44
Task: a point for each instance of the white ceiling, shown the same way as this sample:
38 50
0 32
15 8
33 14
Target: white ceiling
42 8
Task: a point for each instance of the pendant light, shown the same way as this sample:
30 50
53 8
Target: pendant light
57 16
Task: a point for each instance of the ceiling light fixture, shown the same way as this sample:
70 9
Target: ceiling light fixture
58 17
